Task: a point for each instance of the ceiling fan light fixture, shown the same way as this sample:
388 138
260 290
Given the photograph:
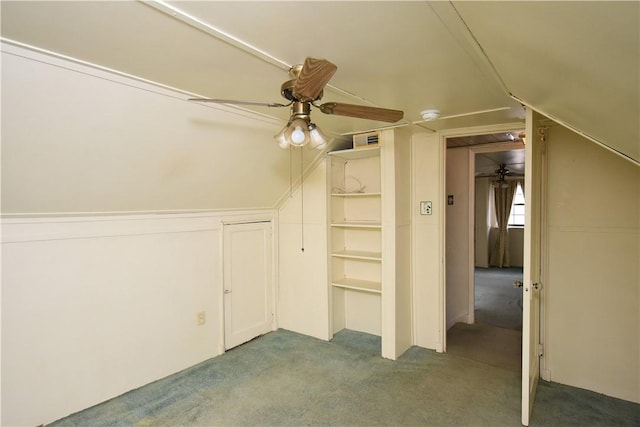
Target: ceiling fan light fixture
318 139
281 138
298 133
430 114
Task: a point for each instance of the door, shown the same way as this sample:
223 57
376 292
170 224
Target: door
534 198
248 288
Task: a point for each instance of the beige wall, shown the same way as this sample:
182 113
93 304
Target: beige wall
482 224
457 241
76 139
428 234
592 290
303 294
403 290
93 307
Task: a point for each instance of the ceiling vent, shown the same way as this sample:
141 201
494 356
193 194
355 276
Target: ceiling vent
366 140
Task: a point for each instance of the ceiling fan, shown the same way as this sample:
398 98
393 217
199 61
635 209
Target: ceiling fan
304 90
501 173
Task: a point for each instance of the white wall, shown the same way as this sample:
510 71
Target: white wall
457 241
428 254
89 302
93 307
403 228
592 290
303 287
96 306
78 139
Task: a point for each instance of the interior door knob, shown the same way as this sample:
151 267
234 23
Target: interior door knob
517 283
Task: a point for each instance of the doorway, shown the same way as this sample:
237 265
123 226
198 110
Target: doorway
484 310
248 286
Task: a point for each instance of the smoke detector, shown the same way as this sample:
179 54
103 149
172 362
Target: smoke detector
431 114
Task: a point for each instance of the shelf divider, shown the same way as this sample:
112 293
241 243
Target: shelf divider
361 255
358 285
358 224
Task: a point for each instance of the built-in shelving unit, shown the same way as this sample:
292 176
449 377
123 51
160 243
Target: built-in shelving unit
355 235
369 229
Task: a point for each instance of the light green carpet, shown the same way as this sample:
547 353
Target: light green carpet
284 378
497 302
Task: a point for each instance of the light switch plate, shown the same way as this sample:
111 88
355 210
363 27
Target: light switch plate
426 208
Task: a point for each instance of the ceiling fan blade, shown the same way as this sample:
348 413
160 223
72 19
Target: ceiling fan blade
313 77
235 102
361 111
495 175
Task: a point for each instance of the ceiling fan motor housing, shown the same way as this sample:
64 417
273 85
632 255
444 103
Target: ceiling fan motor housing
300 110
286 90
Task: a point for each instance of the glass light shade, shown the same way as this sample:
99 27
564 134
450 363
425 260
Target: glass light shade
318 139
298 134
281 138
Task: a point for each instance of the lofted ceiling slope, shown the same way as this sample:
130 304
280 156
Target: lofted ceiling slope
578 62
477 61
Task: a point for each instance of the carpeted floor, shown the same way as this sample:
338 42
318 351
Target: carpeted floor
495 346
284 378
497 302
496 337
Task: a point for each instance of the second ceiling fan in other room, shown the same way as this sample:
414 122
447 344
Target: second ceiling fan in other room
304 90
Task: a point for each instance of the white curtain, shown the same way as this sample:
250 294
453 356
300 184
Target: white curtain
503 198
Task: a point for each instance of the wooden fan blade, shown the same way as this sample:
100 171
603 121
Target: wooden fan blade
361 111
233 101
313 77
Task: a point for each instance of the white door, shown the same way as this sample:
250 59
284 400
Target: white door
534 198
248 288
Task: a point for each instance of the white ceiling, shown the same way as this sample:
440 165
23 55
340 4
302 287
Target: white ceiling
390 54
487 163
576 61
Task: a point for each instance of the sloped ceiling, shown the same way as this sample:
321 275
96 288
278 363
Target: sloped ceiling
578 62
461 58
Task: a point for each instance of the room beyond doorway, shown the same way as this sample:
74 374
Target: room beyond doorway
496 336
497 301
484 310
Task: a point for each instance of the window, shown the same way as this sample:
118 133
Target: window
516 217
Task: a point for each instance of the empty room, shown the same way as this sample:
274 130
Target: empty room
294 213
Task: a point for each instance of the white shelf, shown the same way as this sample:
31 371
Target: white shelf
357 153
358 285
358 224
360 255
355 195
355 257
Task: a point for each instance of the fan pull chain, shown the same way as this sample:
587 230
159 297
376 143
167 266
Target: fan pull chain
302 199
290 172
